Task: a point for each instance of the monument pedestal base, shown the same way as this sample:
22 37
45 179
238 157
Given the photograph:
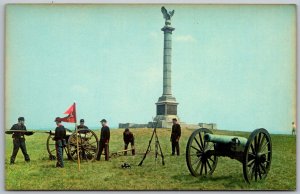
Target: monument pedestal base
164 121
166 110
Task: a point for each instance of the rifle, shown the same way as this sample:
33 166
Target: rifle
157 146
20 131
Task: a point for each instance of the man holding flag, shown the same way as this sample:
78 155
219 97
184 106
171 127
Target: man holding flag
71 118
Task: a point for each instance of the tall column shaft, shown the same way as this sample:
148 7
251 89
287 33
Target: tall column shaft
167 85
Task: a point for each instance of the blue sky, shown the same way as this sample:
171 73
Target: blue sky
231 65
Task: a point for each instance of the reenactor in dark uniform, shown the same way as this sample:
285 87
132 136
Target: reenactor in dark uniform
104 140
293 128
60 142
83 130
175 136
82 126
19 140
128 137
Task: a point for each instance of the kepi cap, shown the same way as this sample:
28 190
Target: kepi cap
103 120
21 119
57 119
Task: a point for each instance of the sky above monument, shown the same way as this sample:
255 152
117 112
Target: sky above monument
234 65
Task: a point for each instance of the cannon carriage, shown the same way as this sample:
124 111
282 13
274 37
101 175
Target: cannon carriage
87 144
255 153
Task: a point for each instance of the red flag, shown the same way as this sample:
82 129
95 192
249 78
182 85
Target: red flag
71 112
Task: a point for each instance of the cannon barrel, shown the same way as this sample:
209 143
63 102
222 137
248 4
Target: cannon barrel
225 139
236 144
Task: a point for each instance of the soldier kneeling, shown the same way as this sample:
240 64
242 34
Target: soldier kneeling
128 138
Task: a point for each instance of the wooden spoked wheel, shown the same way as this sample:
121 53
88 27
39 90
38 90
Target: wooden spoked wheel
200 157
87 145
257 156
51 147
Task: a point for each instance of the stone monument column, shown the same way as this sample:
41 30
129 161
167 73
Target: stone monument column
167 85
166 107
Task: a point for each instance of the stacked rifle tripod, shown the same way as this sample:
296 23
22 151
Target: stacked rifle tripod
158 150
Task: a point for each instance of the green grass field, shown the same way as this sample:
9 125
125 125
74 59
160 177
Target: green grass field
41 174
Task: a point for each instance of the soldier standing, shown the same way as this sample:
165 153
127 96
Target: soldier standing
175 136
293 128
104 140
128 137
19 140
60 142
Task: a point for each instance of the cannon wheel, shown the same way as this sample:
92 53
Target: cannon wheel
199 157
51 147
87 143
257 156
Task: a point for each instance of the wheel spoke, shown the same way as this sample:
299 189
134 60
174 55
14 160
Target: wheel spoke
263 168
253 151
198 143
201 141
195 148
251 156
205 167
255 144
209 166
201 168
195 161
258 141
264 147
251 163
252 172
266 152
197 167
211 160
262 142
255 172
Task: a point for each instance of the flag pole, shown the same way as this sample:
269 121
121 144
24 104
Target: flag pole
78 159
76 130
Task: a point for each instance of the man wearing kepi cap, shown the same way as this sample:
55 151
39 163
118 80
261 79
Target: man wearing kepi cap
104 140
19 140
81 125
175 136
60 142
82 130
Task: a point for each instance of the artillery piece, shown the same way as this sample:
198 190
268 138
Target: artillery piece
87 144
255 153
